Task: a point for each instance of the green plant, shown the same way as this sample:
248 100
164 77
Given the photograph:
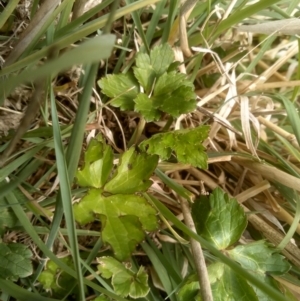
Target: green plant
239 86
15 261
164 89
221 221
125 216
123 213
55 280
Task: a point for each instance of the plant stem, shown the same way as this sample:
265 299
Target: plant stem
78 9
200 264
168 124
205 289
137 132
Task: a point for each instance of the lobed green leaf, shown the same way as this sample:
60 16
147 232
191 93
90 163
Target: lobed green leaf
133 173
174 94
226 285
123 88
98 163
125 282
260 258
57 280
186 143
124 219
144 105
149 68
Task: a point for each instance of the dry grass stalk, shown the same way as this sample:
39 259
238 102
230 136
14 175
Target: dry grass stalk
271 173
291 251
286 26
32 29
252 191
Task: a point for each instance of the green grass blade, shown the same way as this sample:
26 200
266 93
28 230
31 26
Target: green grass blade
34 7
241 14
16 163
22 176
173 185
294 225
7 12
86 53
138 24
296 89
292 114
173 10
265 46
159 266
79 232
154 20
72 26
43 29
166 260
73 37
65 14
108 25
285 165
66 195
20 293
292 150
74 148
75 145
122 57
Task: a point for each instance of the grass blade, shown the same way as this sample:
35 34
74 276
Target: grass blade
86 53
292 115
66 195
19 293
81 33
12 4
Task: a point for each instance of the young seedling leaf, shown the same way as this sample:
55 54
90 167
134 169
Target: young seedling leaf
55 279
144 106
98 162
123 88
260 258
219 219
15 261
174 94
186 143
148 68
124 219
133 173
125 282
